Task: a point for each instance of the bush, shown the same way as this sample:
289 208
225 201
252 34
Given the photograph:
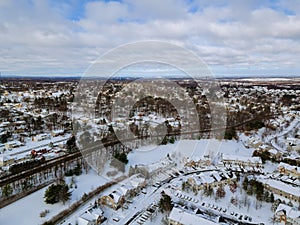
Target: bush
76 171
230 133
122 157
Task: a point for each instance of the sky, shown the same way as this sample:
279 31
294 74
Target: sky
233 37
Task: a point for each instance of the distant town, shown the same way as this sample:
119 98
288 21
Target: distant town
77 156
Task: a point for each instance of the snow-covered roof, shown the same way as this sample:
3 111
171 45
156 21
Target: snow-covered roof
206 179
289 167
217 176
283 186
273 151
89 215
130 183
187 218
242 158
123 189
136 180
57 131
115 196
290 211
198 181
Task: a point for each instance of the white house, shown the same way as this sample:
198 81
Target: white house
40 137
288 169
181 217
12 144
287 214
92 216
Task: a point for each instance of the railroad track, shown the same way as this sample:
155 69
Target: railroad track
46 165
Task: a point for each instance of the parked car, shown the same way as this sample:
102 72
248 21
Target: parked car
116 219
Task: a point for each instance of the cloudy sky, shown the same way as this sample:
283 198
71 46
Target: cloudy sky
233 37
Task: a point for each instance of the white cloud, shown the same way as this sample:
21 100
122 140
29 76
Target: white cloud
36 36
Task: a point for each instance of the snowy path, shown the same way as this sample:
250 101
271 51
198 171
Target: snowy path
294 124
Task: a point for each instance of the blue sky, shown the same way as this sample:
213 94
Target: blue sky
233 37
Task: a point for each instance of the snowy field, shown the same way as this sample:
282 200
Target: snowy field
185 148
27 210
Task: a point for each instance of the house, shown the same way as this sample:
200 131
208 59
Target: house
254 143
40 137
114 200
117 198
288 170
92 216
137 181
12 144
287 214
237 160
282 189
56 133
264 147
212 179
181 217
5 124
199 162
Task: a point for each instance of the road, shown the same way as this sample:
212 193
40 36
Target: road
39 146
294 124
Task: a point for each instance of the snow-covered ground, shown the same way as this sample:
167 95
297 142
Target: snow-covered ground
185 148
29 208
26 211
270 167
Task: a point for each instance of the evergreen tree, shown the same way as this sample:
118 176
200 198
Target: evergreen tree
71 145
77 170
164 141
259 191
172 140
7 190
230 133
183 186
51 196
56 193
245 183
64 194
165 203
272 198
267 196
